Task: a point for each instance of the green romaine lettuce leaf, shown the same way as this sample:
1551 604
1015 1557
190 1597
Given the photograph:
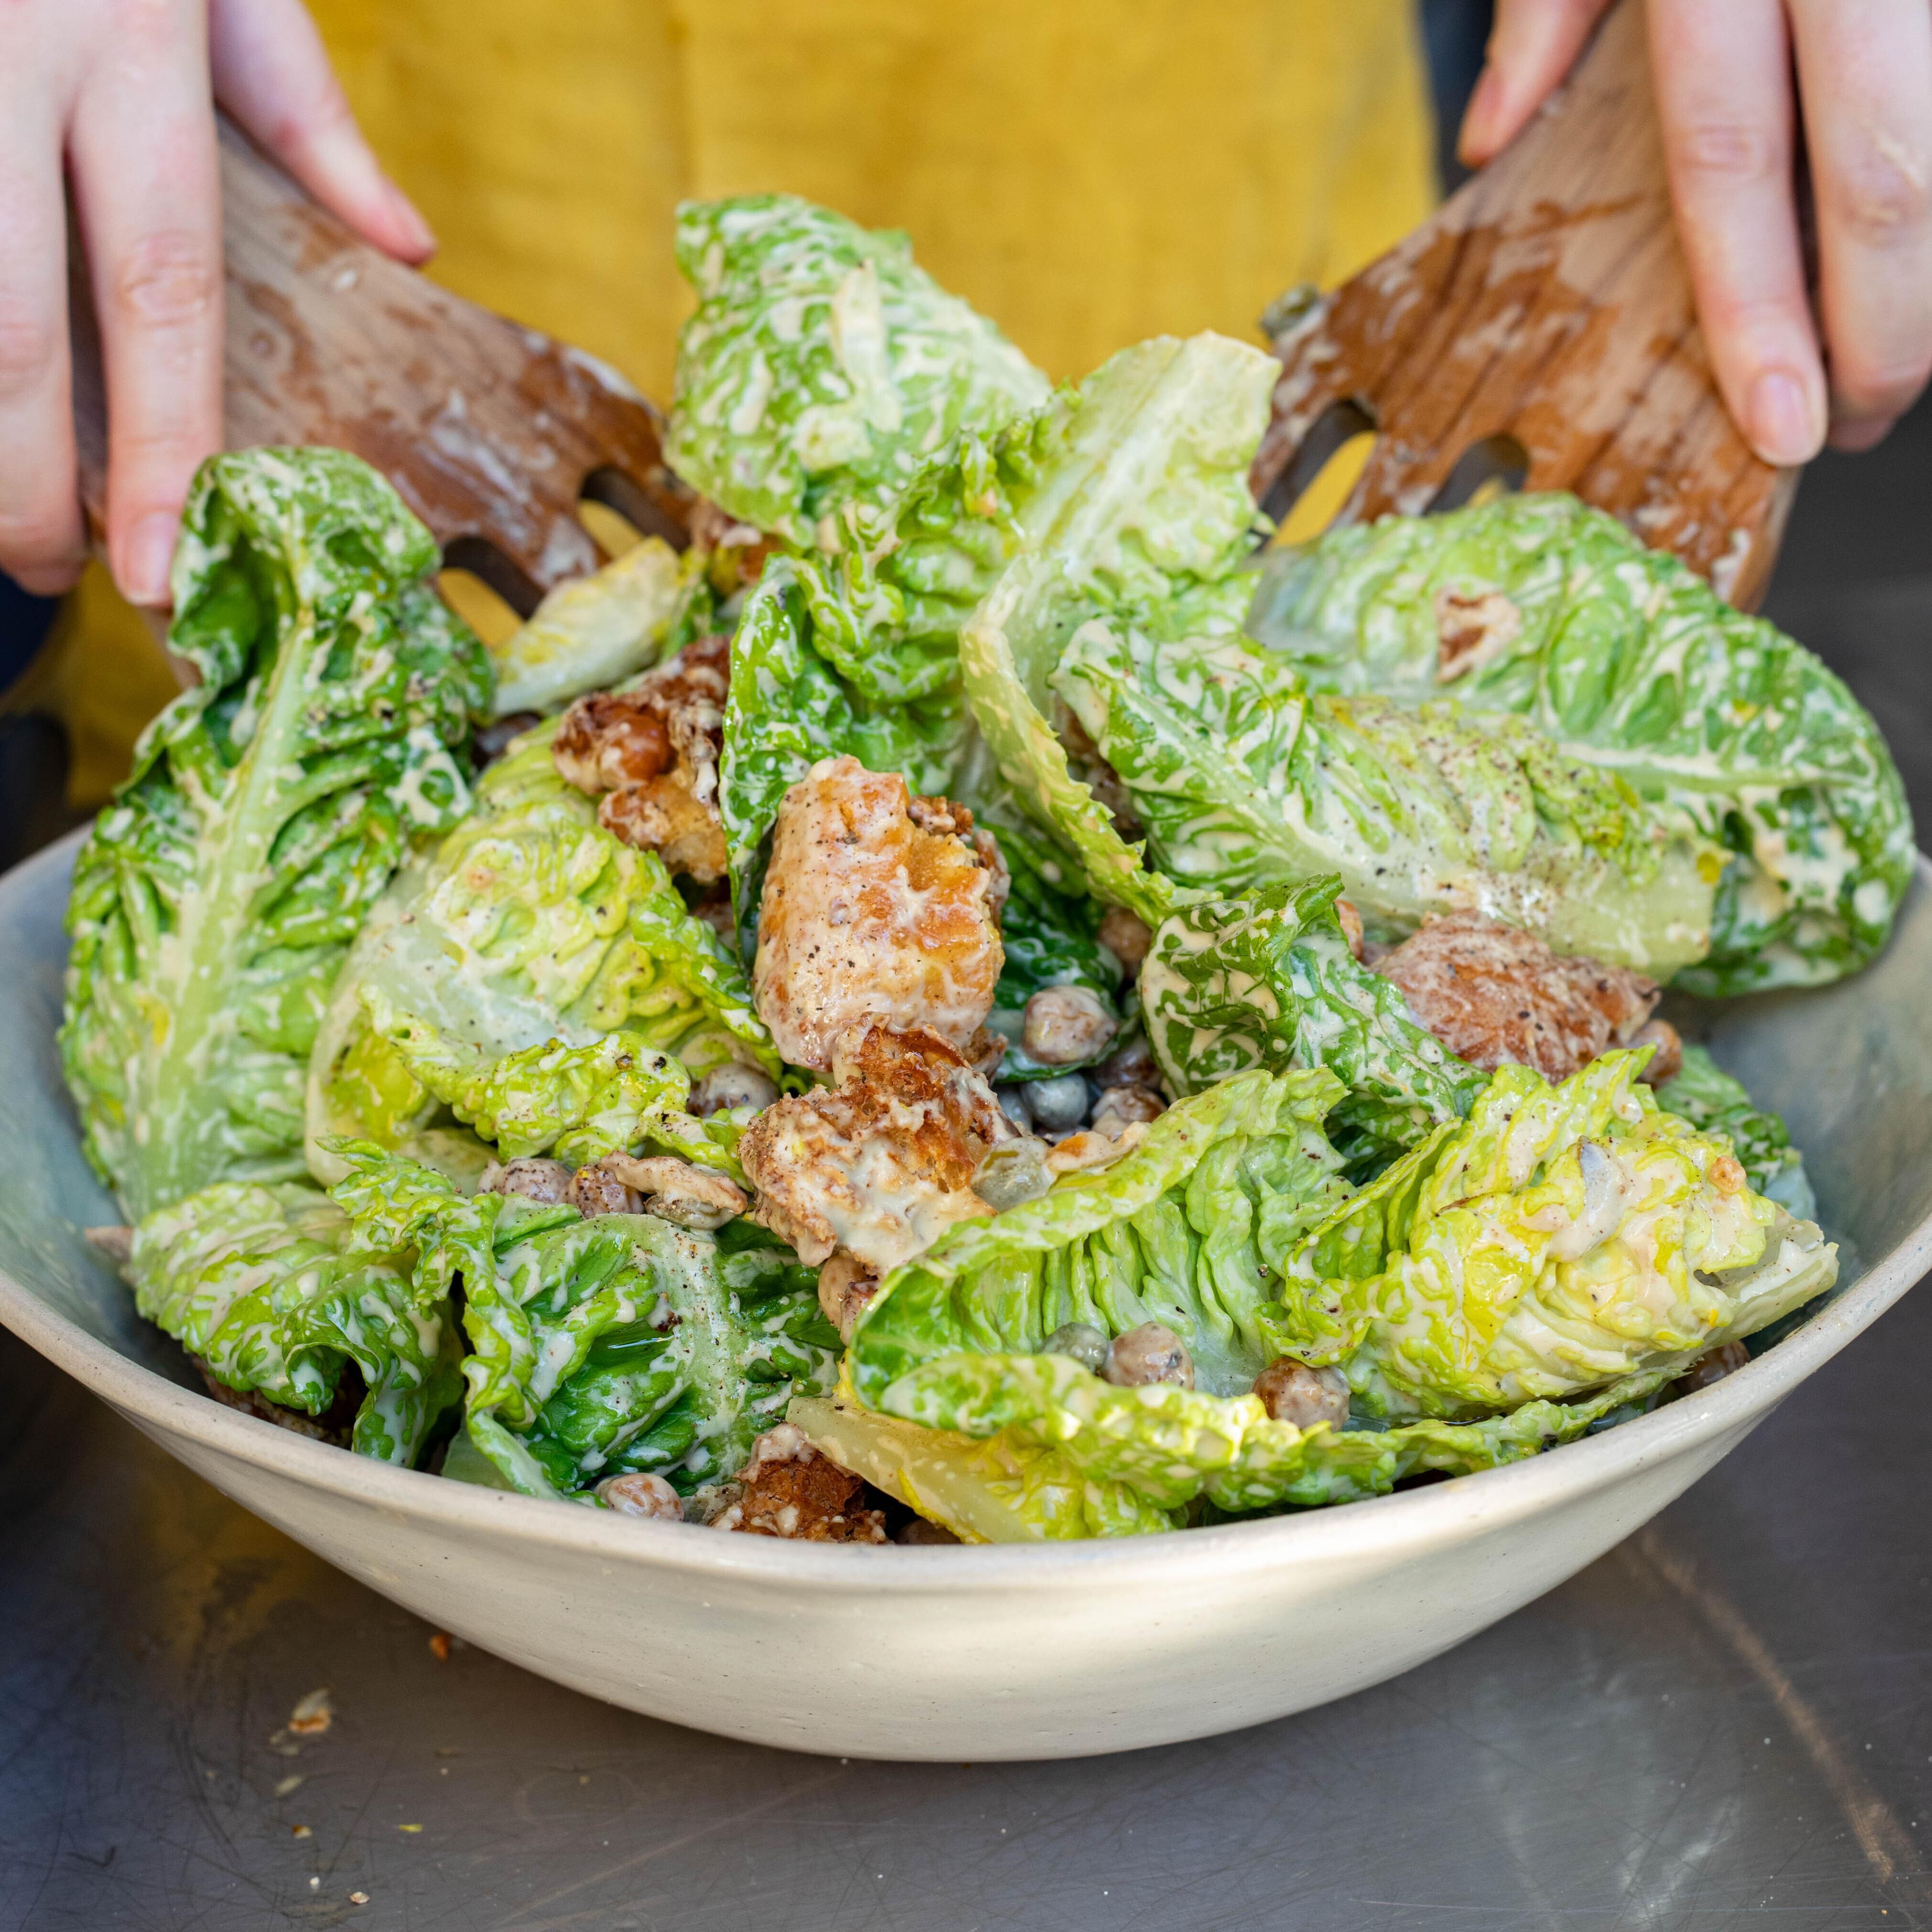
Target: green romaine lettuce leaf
530 924
1140 505
822 367
1713 1102
1003 1490
1626 658
1174 1446
1190 1227
1243 778
214 900
788 707
261 1283
1130 491
604 1346
580 1101
588 633
1497 1268
891 585
1559 1238
855 649
1269 981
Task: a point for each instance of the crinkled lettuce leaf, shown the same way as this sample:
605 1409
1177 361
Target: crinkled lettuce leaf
580 1102
890 585
530 924
1540 1270
1190 1227
822 366
1141 505
919 637
854 648
1002 1489
788 707
261 1282
1268 980
1626 658
590 633
1243 778
1174 1446
1559 1238
214 900
604 1345
1707 1096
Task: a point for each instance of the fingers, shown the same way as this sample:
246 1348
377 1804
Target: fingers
1532 46
272 73
42 542
1865 73
141 150
1722 73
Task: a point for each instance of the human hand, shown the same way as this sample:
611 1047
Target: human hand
121 95
1723 76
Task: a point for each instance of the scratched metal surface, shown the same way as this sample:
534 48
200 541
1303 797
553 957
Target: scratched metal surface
1726 1721
1729 1717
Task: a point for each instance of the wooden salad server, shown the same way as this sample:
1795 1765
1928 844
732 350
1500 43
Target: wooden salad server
1538 327
492 433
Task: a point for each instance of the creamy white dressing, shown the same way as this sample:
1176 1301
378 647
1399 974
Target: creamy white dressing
888 1213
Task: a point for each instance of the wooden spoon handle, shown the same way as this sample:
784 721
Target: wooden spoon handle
491 433
1544 313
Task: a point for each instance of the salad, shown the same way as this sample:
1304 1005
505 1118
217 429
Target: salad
978 1000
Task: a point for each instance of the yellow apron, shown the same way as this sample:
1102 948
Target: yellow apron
1087 174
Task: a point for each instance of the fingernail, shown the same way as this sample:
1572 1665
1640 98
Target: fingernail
422 237
145 554
1782 427
1484 104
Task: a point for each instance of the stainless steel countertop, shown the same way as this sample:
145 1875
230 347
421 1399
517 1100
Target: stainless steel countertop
1727 1721
1729 1718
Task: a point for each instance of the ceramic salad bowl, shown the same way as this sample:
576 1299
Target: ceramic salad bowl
995 1651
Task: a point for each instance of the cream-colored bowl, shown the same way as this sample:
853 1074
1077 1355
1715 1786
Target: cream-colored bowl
984 1653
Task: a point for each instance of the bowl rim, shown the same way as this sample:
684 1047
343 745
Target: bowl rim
1416 1518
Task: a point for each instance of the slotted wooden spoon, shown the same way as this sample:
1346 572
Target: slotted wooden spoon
492 433
1539 326
1540 322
